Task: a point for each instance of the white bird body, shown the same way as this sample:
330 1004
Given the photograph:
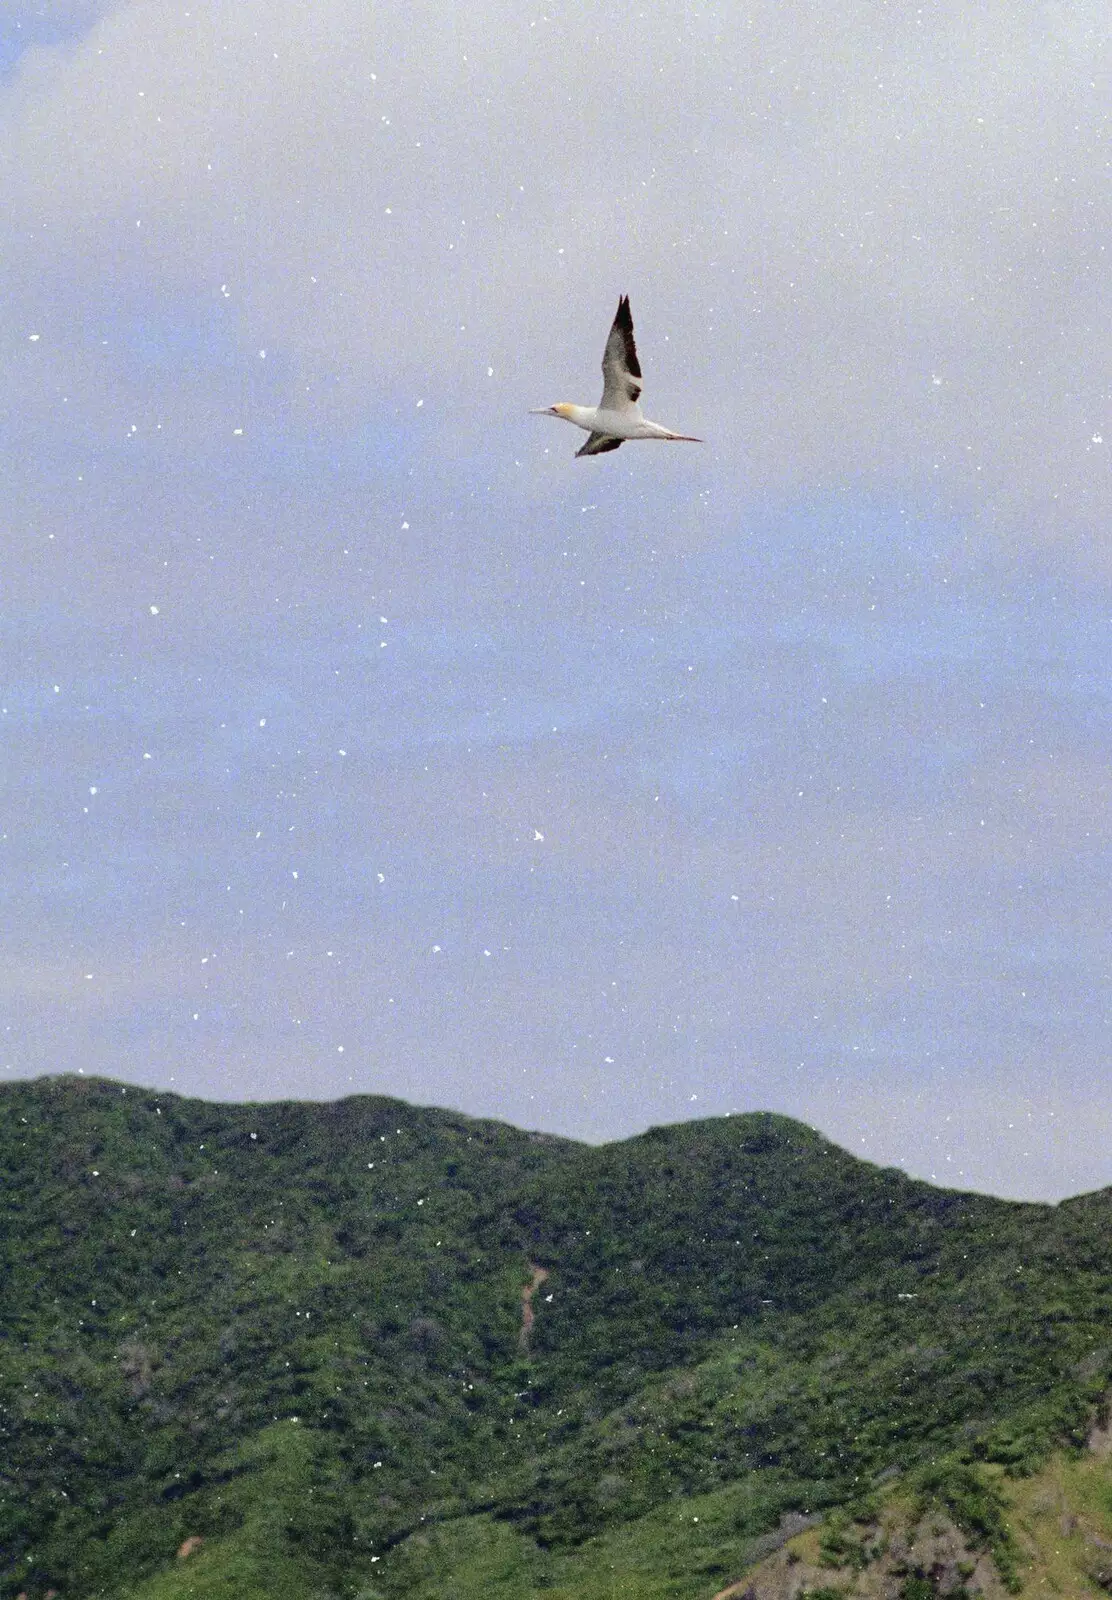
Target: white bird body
620 425
618 416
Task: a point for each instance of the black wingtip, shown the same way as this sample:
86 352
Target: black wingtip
623 323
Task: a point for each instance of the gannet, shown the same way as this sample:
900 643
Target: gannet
617 417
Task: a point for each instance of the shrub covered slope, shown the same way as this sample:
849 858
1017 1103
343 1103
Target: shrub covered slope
293 1335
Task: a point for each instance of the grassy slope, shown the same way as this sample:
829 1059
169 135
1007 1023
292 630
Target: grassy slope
178 1276
744 1321
1059 1521
1056 1523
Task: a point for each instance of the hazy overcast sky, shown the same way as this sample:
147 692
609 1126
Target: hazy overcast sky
358 738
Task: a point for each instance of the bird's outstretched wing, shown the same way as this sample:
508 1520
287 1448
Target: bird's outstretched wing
598 444
621 370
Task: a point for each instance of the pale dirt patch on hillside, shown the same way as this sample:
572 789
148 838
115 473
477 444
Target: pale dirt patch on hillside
528 1316
897 1548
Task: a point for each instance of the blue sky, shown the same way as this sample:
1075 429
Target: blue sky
358 738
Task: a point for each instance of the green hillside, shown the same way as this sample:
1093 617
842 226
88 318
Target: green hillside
293 1339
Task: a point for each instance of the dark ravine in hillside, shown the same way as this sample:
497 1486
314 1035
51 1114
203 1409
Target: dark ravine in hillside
729 1308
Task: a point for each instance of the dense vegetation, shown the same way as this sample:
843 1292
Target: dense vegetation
293 1332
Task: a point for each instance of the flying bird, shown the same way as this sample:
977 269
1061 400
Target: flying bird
617 417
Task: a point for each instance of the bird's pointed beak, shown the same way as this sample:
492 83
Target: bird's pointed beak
542 411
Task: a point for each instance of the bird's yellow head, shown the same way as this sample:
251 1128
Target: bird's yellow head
563 409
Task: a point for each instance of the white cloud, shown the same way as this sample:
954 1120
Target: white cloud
819 209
